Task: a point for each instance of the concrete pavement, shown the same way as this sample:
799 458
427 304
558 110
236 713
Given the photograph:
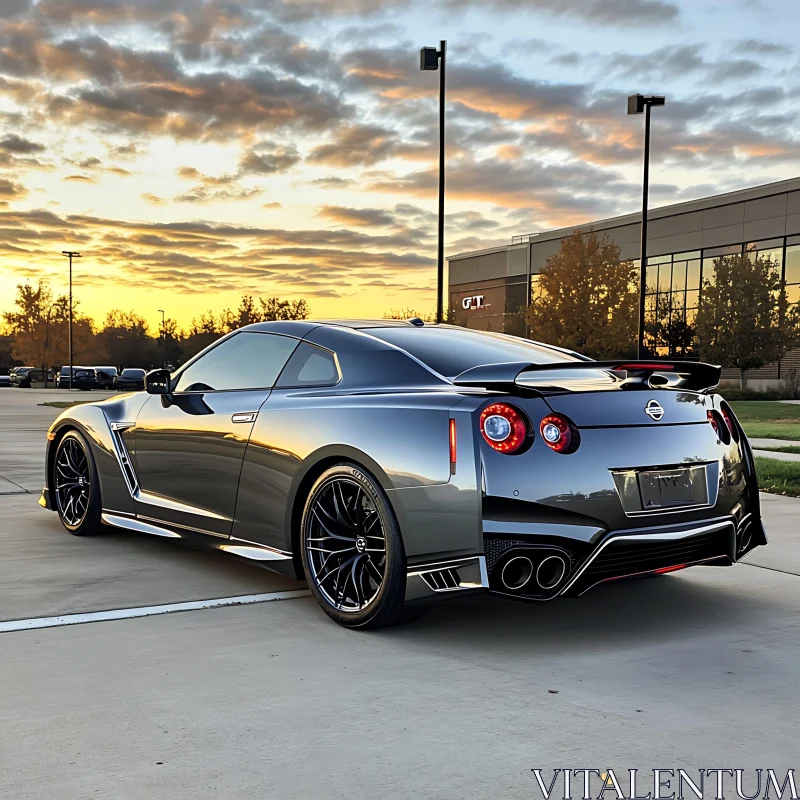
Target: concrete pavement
758 442
23 424
47 572
777 455
696 669
689 670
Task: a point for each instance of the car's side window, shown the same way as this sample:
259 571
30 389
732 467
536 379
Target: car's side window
309 366
244 361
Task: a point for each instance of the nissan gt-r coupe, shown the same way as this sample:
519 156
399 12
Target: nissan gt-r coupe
394 464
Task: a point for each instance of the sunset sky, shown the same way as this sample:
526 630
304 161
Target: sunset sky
194 151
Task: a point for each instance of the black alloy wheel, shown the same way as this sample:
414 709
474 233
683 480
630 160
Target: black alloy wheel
352 552
75 486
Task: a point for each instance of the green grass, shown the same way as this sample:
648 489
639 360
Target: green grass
765 411
773 430
65 403
778 477
789 448
765 419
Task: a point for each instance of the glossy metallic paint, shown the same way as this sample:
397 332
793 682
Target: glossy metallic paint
201 477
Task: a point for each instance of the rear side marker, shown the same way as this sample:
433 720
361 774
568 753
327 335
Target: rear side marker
452 447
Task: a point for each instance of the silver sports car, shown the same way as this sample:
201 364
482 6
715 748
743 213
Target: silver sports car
396 464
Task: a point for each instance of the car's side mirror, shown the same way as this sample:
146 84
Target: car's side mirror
157 381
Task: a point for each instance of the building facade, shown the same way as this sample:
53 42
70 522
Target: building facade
489 289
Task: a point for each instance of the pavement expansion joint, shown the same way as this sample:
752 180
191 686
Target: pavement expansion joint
146 611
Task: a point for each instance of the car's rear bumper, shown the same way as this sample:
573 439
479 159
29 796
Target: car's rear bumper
614 555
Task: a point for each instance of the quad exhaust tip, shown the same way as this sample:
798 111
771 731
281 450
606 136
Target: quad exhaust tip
518 572
551 572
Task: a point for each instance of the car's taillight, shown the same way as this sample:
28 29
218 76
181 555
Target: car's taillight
726 415
719 426
503 428
558 434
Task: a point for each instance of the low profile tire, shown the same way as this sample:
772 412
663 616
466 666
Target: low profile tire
76 488
352 551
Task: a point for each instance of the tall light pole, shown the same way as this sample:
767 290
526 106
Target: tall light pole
430 59
164 335
70 254
637 103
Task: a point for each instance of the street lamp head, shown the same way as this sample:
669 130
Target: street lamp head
428 58
635 103
638 102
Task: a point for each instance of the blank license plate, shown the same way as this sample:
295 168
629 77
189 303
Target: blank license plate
667 489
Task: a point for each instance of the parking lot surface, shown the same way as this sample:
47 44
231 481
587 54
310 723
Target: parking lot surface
698 669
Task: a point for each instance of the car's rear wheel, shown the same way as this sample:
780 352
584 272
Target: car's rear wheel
352 551
75 486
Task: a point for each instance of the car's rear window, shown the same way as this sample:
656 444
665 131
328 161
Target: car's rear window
450 351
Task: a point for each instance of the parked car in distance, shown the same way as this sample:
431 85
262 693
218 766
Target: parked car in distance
130 380
105 377
83 378
19 376
5 380
41 379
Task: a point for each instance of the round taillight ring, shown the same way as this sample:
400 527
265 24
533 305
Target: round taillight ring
503 428
558 433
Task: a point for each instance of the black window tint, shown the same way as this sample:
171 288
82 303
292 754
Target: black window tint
451 351
309 366
244 361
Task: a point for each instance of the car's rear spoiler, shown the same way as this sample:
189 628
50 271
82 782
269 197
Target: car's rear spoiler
591 375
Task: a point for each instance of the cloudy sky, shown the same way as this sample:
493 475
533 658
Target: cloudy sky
196 150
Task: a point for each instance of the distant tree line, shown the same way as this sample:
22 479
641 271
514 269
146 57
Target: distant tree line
35 331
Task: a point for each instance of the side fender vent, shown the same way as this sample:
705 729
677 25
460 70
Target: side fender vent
442 580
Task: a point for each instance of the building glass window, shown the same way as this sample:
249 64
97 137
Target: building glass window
791 274
673 283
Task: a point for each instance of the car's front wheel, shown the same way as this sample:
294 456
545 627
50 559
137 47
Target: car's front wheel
75 486
352 552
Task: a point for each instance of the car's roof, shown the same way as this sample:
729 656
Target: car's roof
374 323
298 327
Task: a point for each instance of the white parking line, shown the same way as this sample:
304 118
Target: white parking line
146 611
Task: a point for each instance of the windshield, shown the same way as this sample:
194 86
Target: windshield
450 351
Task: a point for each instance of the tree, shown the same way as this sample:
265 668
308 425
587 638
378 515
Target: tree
170 342
127 340
274 308
7 359
425 316
586 299
246 314
202 332
743 320
40 327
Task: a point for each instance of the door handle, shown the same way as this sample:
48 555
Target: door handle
245 416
